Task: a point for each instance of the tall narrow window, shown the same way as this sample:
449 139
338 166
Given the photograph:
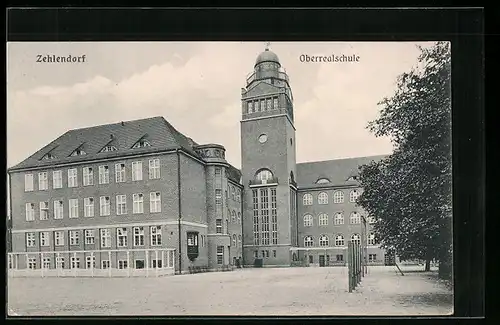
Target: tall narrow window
256 232
155 236
103 174
220 255
323 198
60 262
30 239
72 177
28 182
121 204
105 205
353 196
275 103
138 236
43 182
250 107
154 202
154 168
264 213
44 210
138 205
218 197
120 173
88 204
269 104
58 209
44 238
88 176
90 262
57 179
105 238
59 238
74 237
239 218
371 239
274 217
89 237
137 171
30 212
218 226
233 216
73 208
121 237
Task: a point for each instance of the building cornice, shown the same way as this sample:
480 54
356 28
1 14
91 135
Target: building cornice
270 116
328 187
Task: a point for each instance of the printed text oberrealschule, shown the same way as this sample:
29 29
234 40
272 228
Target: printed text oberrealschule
328 58
52 58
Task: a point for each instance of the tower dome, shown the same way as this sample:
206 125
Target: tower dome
267 56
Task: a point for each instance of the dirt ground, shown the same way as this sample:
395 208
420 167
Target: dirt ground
267 291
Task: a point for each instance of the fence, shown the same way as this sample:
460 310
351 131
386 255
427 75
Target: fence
356 267
93 263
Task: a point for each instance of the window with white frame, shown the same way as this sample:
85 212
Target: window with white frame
239 239
73 208
30 212
105 264
30 239
218 196
90 262
88 176
155 235
264 175
233 216
88 204
137 171
72 177
44 238
138 203
372 257
339 218
46 263
120 173
121 204
154 169
323 181
43 181
60 262
324 241
371 239
220 255
154 202
122 264
323 219
218 226
339 240
57 179
58 209
307 199
356 240
308 220
239 217
59 238
103 174
269 104
275 102
75 262
138 236
74 237
308 241
355 218
121 237
323 198
105 237
89 237
234 240
250 107
353 196
104 205
31 263
338 197
28 182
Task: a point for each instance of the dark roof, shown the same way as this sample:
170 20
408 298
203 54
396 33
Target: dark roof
338 171
234 174
159 133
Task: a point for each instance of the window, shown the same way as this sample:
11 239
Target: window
109 147
72 177
44 211
88 204
88 176
43 182
121 237
121 204
323 181
105 238
250 107
308 220
239 239
371 239
372 257
31 263
262 105
89 237
324 240
73 208
57 179
90 262
156 236
218 197
339 257
105 264
154 168
105 205
239 217
74 237
78 152
338 197
28 182
103 174
339 218
323 219
274 253
217 171
353 196
143 143
356 240
58 209
220 255
233 216
138 236
139 264
234 240
308 241
355 218
156 263
269 104
256 254
59 262
323 198
372 219
307 199
218 226
192 239
275 103
59 238
233 193
137 171
339 240
154 202
138 203
264 176
30 212
75 262
44 238
256 231
120 173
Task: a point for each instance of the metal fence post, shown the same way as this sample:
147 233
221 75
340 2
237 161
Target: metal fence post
349 265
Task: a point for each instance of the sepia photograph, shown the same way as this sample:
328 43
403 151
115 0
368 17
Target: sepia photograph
229 178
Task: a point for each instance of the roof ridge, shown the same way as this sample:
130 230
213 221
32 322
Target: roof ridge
338 159
115 123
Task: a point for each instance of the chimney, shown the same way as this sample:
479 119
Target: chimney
123 123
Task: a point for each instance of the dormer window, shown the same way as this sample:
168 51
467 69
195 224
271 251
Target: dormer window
353 178
109 148
48 156
323 181
78 152
141 144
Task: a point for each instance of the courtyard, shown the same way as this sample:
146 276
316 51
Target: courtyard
256 291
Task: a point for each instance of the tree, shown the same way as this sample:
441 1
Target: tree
409 192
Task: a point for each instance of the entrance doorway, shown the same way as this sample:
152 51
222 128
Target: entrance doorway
322 260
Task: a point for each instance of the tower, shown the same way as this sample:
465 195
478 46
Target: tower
268 163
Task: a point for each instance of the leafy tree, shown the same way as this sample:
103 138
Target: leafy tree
409 191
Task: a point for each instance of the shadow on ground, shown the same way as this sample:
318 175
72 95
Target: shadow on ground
434 299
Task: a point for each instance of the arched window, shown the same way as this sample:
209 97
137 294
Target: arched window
307 199
338 197
356 240
308 220
264 175
239 239
233 216
339 218
323 240
339 240
239 218
234 240
323 198
323 219
371 239
355 218
353 196
323 181
308 241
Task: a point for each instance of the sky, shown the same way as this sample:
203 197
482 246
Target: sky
196 86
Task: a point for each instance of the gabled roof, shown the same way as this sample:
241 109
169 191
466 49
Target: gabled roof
161 134
338 171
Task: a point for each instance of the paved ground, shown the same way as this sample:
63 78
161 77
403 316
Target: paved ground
283 291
